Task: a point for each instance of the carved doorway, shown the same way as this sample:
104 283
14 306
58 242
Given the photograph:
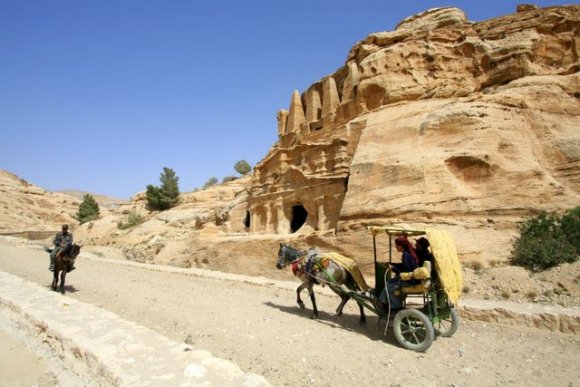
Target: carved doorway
299 215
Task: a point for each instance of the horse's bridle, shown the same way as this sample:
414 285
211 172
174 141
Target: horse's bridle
299 255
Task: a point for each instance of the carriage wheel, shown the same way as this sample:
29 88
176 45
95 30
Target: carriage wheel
413 330
446 327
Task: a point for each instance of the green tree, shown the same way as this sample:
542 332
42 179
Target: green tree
167 195
211 181
542 243
242 167
88 209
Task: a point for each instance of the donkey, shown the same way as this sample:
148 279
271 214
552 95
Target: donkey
62 264
325 271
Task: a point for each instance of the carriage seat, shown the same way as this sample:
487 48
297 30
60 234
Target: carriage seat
423 274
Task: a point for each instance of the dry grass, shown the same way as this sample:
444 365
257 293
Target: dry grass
532 295
475 265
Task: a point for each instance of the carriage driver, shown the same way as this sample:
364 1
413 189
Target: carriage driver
409 262
62 240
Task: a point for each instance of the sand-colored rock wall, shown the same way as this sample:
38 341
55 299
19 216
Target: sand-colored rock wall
25 207
442 122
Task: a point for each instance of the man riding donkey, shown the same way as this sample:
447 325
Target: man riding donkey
62 241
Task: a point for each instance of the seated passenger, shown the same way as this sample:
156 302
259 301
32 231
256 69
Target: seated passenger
422 249
409 262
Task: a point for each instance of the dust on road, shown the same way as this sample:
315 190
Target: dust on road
261 329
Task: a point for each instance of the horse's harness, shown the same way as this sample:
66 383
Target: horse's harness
298 268
296 264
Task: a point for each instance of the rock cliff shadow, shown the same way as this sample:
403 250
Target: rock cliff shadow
347 321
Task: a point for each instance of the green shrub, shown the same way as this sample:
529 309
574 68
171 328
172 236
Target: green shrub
88 209
211 181
228 178
542 243
133 219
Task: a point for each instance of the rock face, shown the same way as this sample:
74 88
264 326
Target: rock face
442 122
25 207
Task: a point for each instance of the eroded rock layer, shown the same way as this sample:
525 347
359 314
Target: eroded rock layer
442 121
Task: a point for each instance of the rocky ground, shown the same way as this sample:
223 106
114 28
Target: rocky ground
260 328
557 286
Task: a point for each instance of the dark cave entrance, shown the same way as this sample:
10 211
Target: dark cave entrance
299 215
247 220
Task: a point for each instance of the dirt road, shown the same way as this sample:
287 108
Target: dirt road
262 330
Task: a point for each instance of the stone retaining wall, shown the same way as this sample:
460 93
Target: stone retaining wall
104 349
553 318
30 235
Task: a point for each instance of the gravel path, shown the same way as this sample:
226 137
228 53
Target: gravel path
261 329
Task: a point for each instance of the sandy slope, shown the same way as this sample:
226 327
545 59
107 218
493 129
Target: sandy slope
261 329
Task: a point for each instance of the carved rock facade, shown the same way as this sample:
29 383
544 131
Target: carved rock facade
441 121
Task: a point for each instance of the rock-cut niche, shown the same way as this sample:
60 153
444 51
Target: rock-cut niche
299 215
247 220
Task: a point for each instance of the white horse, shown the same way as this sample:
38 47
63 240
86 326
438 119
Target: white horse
323 271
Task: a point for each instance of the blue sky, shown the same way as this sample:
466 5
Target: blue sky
101 95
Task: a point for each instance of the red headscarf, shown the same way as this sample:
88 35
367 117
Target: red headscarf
403 241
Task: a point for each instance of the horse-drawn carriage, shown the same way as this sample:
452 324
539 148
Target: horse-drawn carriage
428 293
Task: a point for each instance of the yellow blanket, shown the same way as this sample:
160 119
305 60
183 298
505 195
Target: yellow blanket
350 265
446 263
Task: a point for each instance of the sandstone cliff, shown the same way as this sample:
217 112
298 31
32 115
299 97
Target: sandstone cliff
26 208
442 122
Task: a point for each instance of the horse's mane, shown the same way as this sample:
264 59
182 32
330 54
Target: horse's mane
294 250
